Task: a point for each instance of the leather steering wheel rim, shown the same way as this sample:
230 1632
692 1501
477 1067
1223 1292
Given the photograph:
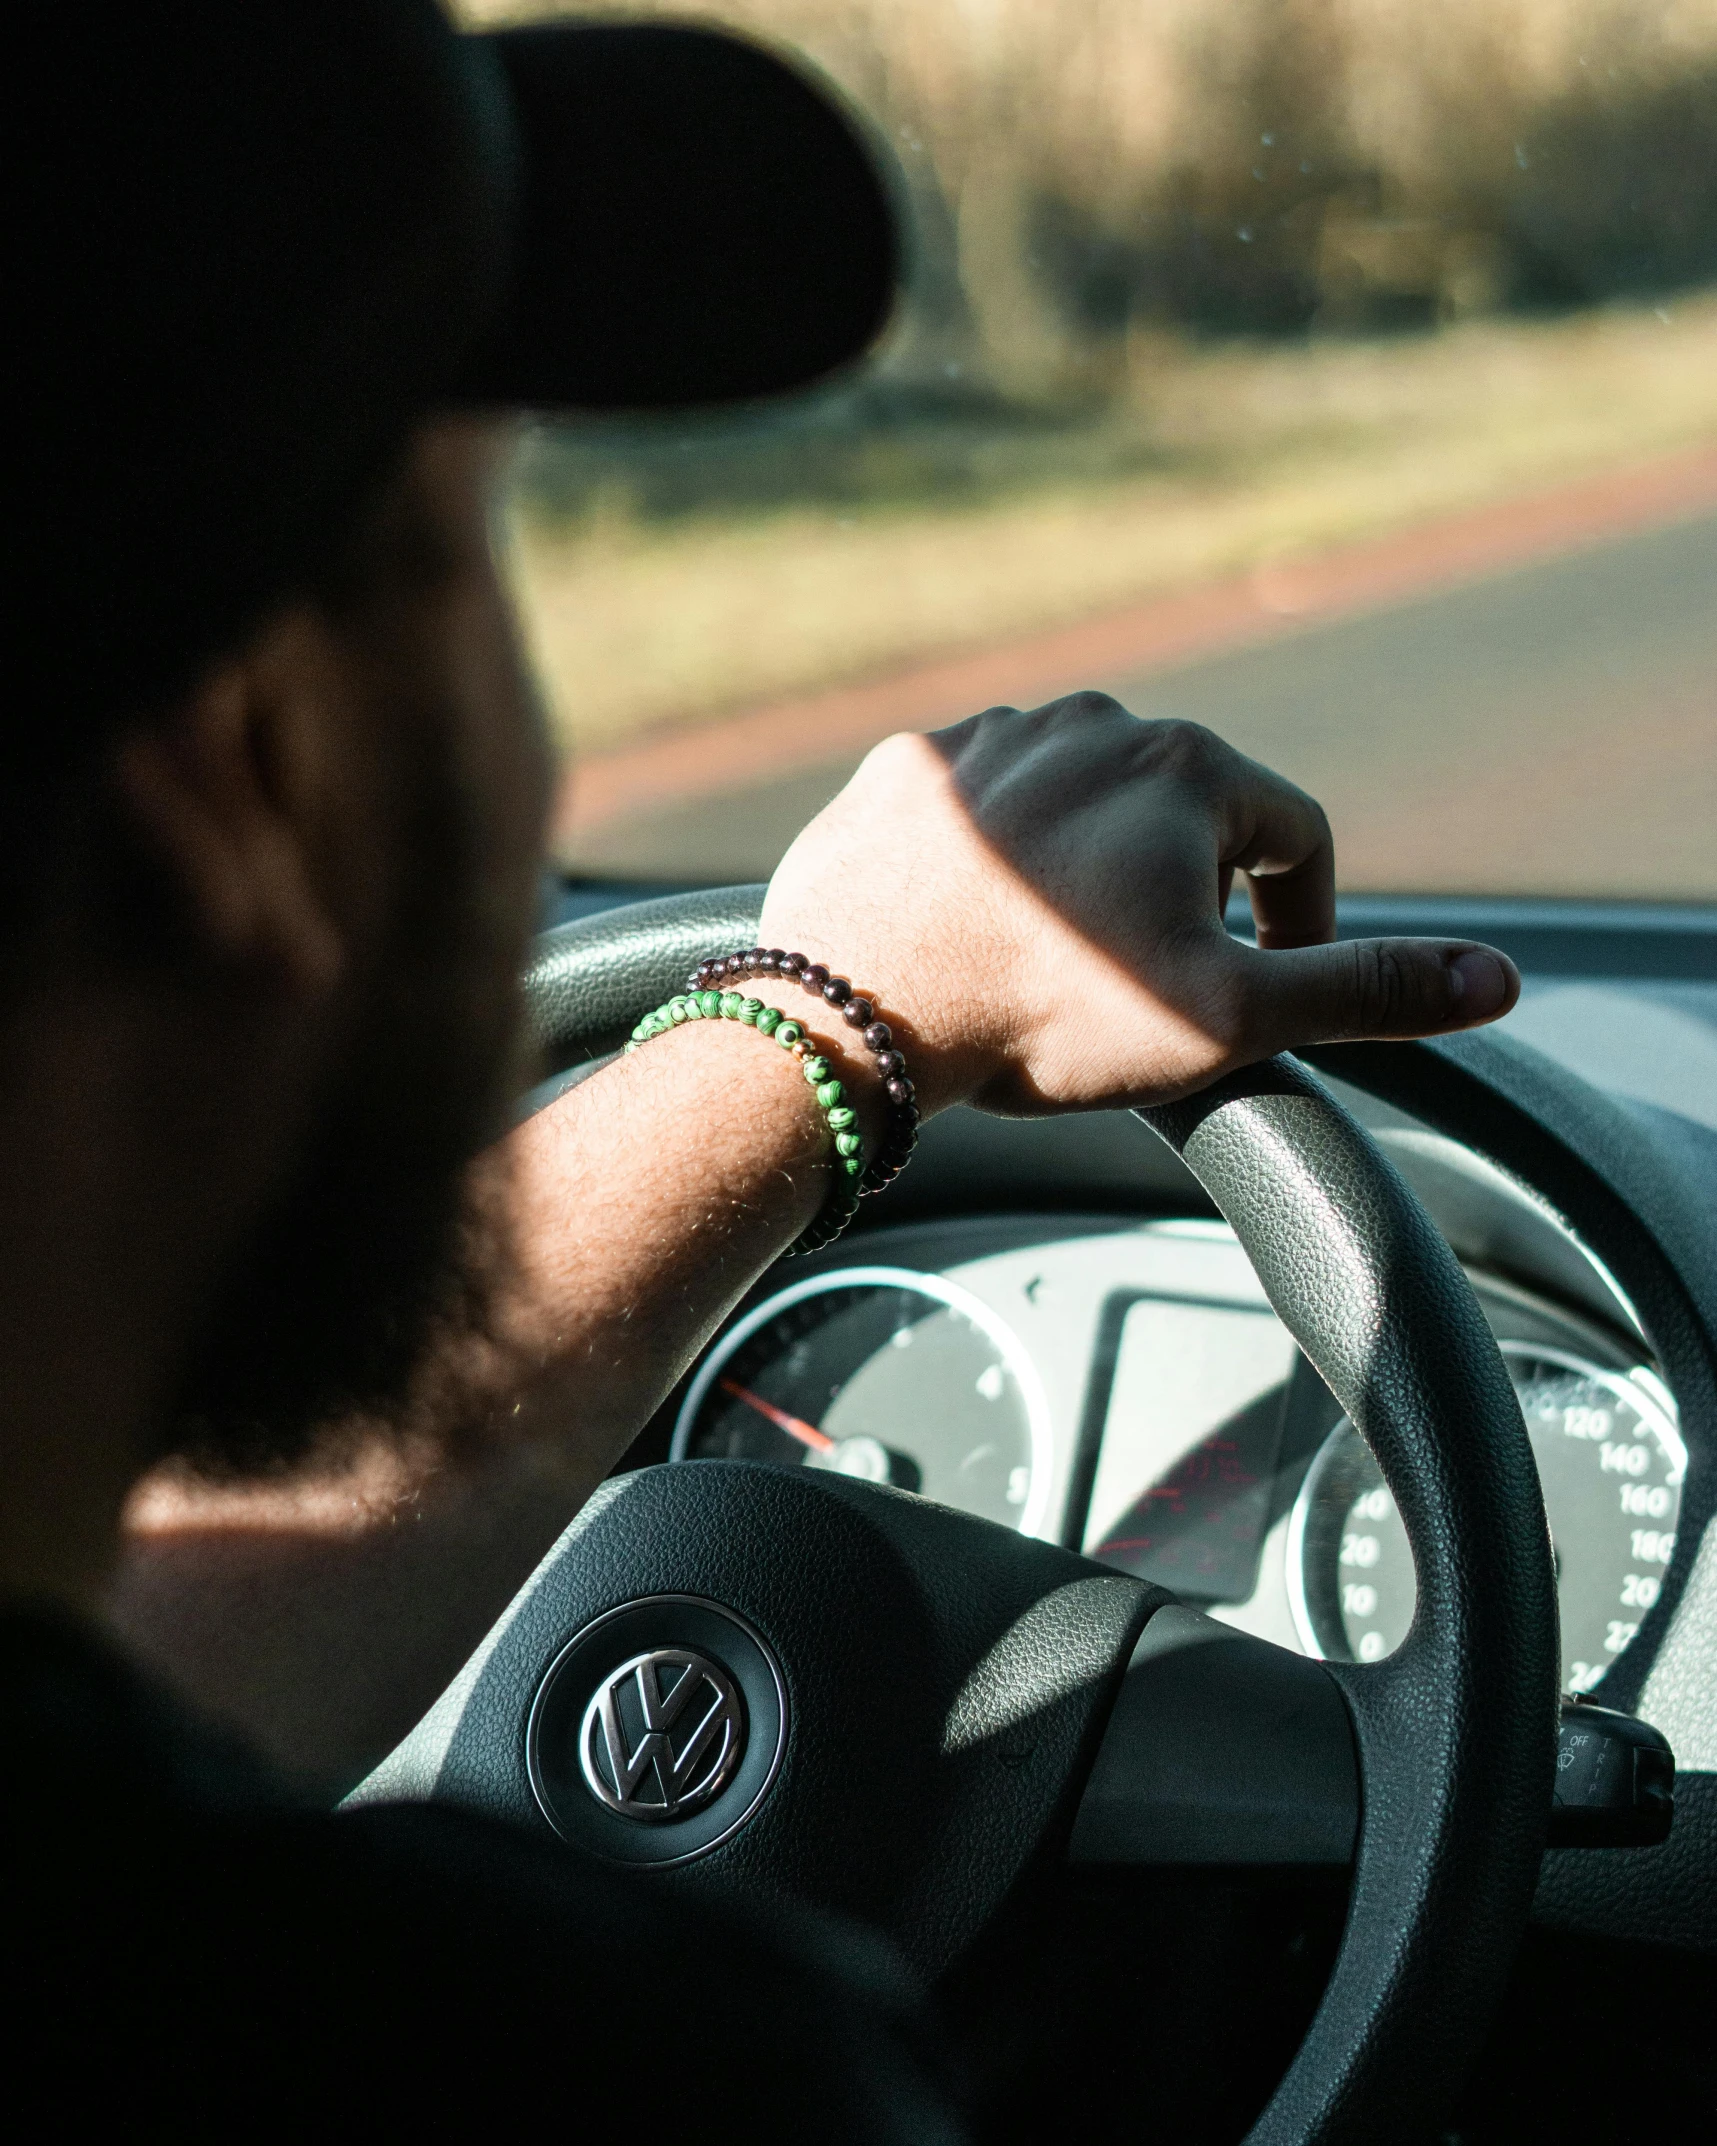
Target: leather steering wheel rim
1456 1733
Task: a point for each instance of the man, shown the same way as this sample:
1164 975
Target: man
275 796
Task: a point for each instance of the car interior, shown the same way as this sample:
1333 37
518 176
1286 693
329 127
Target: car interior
1115 1543
1063 1328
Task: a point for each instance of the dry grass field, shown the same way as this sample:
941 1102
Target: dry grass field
1195 285
1255 454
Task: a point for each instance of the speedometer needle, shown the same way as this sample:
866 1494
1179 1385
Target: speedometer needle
795 1426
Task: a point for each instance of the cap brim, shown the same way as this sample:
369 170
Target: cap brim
696 222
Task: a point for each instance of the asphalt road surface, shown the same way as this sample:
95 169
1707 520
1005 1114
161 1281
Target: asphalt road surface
1552 730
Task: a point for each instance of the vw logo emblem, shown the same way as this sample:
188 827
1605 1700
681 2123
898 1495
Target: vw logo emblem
662 1735
657 1730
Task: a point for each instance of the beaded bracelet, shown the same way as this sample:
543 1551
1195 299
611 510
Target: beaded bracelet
900 1130
842 1203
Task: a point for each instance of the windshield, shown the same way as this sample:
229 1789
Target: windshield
1340 373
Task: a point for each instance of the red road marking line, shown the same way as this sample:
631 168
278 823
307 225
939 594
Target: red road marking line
1158 635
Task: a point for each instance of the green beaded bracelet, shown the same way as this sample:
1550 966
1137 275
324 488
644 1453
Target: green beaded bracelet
847 1162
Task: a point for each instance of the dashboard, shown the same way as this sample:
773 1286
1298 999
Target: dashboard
1049 1324
1124 1388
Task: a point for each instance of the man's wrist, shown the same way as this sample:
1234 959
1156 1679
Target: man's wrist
842 1098
854 1067
943 1069
755 1103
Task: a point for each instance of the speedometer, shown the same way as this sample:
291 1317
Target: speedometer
1611 1461
884 1373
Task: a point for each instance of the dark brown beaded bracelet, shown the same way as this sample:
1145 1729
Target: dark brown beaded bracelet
900 1124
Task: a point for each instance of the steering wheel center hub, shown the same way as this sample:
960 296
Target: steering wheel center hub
657 1730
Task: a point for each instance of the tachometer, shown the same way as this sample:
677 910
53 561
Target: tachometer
885 1373
1611 1461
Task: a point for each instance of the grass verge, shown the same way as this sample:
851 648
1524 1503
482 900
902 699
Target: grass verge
1238 457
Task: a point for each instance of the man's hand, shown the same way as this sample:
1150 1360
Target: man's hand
1036 901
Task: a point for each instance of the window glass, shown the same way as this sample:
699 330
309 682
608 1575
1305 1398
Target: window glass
1342 373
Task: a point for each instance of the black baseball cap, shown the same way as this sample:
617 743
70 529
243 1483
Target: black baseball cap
251 243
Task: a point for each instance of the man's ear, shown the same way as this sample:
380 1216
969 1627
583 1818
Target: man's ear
222 790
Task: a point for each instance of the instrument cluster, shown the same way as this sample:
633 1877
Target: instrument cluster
1125 1388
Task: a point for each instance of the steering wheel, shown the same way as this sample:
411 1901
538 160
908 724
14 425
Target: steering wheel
906 1711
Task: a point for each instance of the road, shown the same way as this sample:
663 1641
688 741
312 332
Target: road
1550 729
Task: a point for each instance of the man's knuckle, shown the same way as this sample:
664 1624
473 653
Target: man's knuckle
1085 703
884 767
1182 739
1189 753
1384 985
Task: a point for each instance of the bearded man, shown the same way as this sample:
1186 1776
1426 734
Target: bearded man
298 1344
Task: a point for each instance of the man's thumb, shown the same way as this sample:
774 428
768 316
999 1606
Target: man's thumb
1362 988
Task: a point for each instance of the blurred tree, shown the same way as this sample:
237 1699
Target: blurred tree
1083 174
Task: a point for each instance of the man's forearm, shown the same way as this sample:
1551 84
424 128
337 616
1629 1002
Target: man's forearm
326 1613
646 1203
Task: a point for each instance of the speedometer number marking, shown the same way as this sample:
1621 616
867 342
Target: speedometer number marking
1652 1498
1610 1460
